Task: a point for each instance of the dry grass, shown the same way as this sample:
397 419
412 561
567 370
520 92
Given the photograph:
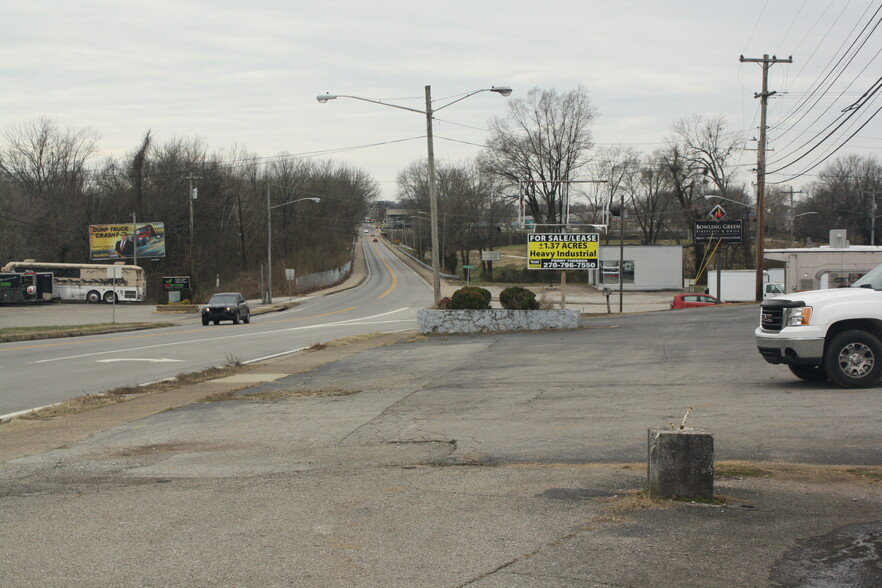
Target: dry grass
12 334
352 339
869 474
814 474
738 471
101 399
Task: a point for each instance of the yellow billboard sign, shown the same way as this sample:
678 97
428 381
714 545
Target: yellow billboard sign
121 241
562 251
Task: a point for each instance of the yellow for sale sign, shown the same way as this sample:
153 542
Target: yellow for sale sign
562 251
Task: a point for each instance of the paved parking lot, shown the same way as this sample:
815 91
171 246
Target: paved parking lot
492 460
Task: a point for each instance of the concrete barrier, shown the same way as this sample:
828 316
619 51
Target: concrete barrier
681 463
435 321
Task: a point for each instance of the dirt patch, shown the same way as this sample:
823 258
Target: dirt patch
170 448
276 395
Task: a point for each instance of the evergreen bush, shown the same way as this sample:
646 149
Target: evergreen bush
518 298
470 297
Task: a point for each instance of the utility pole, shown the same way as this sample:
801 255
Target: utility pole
766 62
191 196
792 212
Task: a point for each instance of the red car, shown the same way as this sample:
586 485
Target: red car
692 300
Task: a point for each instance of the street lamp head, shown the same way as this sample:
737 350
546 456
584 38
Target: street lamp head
325 97
314 199
504 90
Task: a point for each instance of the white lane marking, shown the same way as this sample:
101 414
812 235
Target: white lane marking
259 359
290 351
249 334
161 360
12 415
274 355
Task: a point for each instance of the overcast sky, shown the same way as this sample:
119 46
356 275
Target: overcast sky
245 74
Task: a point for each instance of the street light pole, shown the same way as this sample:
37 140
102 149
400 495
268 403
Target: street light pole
792 219
191 197
269 240
269 247
429 112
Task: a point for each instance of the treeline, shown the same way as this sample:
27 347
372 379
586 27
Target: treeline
51 191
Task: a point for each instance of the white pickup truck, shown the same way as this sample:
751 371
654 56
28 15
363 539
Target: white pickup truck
831 334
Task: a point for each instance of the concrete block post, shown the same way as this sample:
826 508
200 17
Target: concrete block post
681 463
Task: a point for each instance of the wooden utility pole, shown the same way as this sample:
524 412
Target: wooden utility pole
766 62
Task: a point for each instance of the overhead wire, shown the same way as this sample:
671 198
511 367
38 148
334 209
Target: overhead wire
819 83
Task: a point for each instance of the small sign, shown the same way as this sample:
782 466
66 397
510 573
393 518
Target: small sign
491 255
176 283
290 275
468 267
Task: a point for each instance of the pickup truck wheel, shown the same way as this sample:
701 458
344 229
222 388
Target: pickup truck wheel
853 359
809 373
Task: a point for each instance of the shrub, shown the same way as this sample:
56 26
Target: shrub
470 297
444 303
518 298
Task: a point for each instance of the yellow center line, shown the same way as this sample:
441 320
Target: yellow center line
78 341
394 279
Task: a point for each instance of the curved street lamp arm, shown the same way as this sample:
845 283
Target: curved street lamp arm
325 97
293 201
504 90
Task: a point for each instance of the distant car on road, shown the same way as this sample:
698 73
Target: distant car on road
693 300
226 306
375 239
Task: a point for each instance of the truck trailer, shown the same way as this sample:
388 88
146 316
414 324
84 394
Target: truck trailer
740 285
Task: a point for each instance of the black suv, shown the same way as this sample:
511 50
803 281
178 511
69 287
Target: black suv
226 306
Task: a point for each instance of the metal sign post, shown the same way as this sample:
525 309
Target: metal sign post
114 272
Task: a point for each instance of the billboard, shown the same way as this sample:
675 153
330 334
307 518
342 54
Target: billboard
120 241
562 251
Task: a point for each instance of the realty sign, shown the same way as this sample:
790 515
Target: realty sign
562 251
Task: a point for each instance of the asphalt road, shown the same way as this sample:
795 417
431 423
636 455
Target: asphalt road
39 373
488 460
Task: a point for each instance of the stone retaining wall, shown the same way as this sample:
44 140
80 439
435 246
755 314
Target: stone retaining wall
440 322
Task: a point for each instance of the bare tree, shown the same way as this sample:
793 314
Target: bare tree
45 181
541 144
471 208
652 198
847 195
700 152
614 167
